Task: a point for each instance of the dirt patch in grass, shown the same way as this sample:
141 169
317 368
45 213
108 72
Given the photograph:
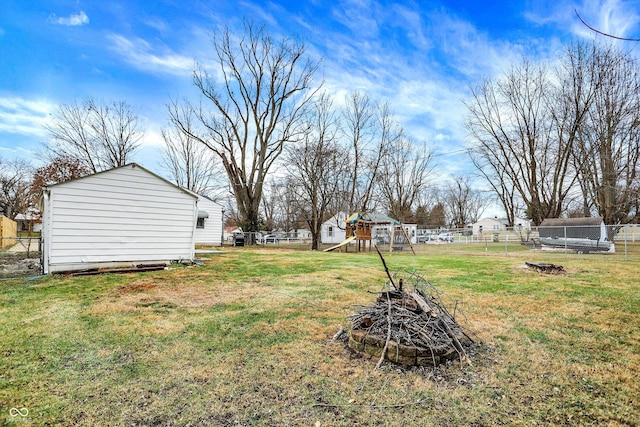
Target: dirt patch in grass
19 264
144 292
140 286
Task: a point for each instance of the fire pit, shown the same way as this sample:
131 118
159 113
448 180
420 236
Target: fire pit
410 327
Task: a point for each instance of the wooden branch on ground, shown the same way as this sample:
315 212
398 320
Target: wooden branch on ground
456 343
386 269
424 305
386 343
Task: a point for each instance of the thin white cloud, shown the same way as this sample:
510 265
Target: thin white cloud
71 20
153 135
156 23
473 54
615 17
139 53
412 22
360 16
24 117
426 84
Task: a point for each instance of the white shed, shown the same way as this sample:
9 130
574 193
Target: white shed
209 223
333 229
122 217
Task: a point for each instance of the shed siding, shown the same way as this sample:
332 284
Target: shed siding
592 228
125 215
337 225
211 234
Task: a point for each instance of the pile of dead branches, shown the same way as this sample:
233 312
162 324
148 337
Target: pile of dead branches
409 325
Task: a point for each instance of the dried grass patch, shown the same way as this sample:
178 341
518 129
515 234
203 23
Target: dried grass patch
246 340
274 251
138 294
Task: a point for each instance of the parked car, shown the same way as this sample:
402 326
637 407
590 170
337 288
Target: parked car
238 238
427 237
446 237
382 239
269 238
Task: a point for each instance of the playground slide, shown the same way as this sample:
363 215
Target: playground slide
349 239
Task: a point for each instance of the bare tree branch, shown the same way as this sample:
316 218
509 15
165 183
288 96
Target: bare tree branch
99 135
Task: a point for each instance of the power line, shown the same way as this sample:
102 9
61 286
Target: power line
602 33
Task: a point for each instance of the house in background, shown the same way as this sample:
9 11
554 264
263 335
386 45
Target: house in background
496 225
209 229
229 232
123 217
301 234
29 222
333 229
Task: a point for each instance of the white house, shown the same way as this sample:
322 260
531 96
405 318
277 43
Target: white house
495 225
383 226
333 229
411 231
122 217
29 222
209 222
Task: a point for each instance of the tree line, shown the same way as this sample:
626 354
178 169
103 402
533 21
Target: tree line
548 139
562 138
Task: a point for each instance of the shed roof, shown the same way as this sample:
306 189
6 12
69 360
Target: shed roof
561 222
375 218
130 166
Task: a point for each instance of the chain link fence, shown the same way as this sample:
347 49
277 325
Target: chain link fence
615 242
289 240
20 257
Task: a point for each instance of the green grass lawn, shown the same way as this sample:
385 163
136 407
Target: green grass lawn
245 339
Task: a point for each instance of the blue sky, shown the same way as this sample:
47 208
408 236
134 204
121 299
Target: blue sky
420 56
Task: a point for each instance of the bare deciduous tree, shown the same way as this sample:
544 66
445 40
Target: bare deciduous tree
99 135
15 179
545 140
608 150
280 206
463 204
191 164
370 130
404 174
359 128
255 99
516 141
317 164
